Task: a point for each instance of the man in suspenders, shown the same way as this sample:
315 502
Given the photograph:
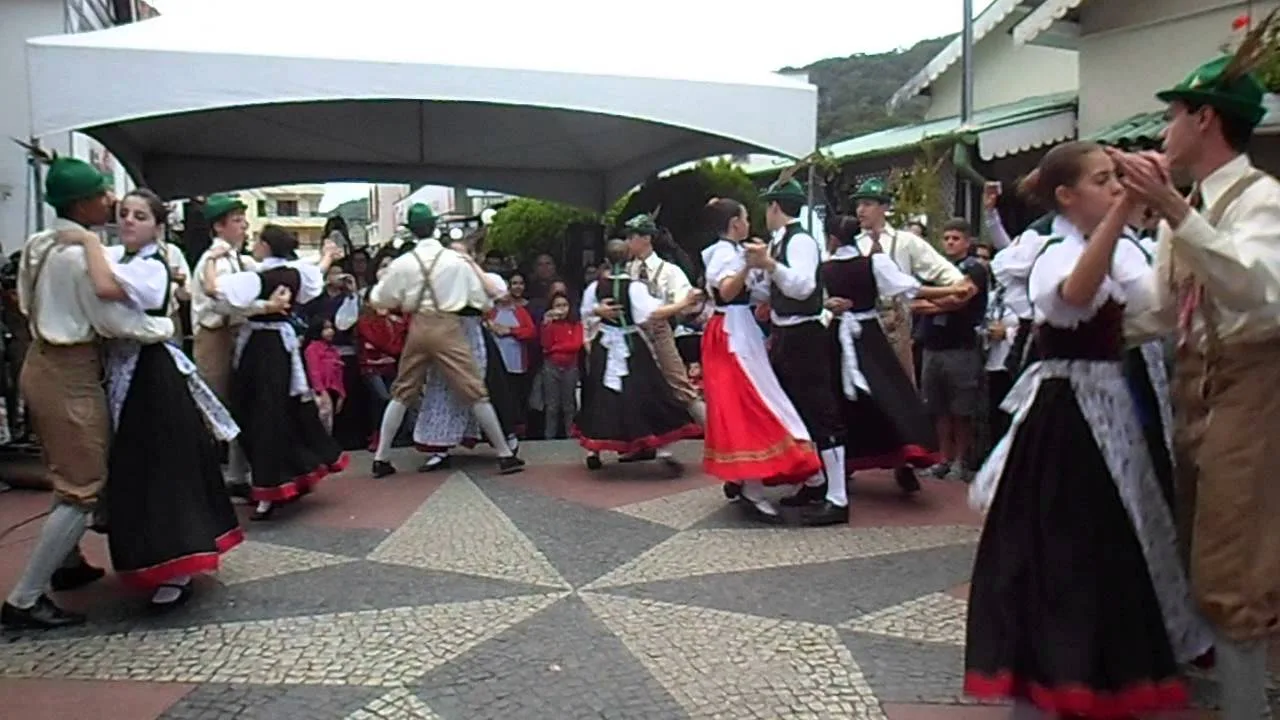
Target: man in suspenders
214 327
62 383
435 283
800 348
1218 284
915 256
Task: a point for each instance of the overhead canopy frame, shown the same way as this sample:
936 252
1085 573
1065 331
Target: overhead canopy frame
202 101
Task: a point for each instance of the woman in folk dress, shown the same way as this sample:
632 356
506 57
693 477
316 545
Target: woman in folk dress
169 510
1079 605
628 406
754 436
288 448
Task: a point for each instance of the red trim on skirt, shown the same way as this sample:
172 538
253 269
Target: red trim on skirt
150 577
744 439
300 485
910 455
648 442
1141 698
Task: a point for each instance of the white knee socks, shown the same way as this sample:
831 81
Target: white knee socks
1242 678
833 468
58 538
487 418
698 409
237 464
392 417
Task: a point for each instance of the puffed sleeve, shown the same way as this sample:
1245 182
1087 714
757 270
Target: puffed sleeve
588 308
890 280
144 280
310 282
642 303
1050 270
390 290
240 290
498 283
1136 278
724 262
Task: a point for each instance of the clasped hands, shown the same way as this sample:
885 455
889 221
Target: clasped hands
609 309
1146 178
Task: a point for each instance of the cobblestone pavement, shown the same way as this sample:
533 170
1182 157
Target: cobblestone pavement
557 594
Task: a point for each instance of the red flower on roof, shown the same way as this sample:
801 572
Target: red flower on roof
1241 22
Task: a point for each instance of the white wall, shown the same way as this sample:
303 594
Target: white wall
1131 50
19 20
1004 73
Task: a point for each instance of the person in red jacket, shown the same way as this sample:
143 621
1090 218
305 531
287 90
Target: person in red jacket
562 341
381 336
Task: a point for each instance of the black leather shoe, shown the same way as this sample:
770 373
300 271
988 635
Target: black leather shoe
732 491
907 480
73 578
382 468
436 462
509 465
44 615
805 496
594 462
826 514
761 511
239 490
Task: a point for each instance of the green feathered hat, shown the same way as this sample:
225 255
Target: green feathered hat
1210 84
785 188
69 180
419 214
642 224
874 190
219 206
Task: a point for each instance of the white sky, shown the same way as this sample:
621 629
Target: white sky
735 33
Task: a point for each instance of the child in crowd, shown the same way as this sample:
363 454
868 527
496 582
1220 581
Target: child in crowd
324 370
562 341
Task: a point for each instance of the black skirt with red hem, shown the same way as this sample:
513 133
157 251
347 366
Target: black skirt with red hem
643 415
890 426
288 448
149 578
1062 610
1139 699
167 504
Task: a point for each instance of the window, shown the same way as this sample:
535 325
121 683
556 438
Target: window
262 208
287 208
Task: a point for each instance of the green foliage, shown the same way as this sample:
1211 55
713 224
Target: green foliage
917 190
525 227
681 197
852 91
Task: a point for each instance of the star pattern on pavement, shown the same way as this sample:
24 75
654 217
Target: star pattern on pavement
496 600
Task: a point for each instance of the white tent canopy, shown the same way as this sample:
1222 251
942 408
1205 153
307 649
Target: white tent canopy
239 94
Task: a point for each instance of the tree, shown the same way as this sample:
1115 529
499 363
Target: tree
525 227
917 191
681 197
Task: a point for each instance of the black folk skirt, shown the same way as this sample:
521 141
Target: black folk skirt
170 512
891 427
502 388
644 415
287 446
1062 611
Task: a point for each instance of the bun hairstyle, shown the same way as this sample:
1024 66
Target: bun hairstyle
719 212
1060 167
844 228
281 242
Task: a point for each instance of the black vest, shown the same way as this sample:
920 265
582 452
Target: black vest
163 310
619 290
779 303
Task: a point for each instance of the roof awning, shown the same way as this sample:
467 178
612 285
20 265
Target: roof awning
996 131
993 15
1041 19
1141 130
224 104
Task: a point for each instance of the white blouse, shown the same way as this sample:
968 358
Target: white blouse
891 281
1130 282
242 289
642 303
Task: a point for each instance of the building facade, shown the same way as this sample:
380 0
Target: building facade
19 20
296 208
